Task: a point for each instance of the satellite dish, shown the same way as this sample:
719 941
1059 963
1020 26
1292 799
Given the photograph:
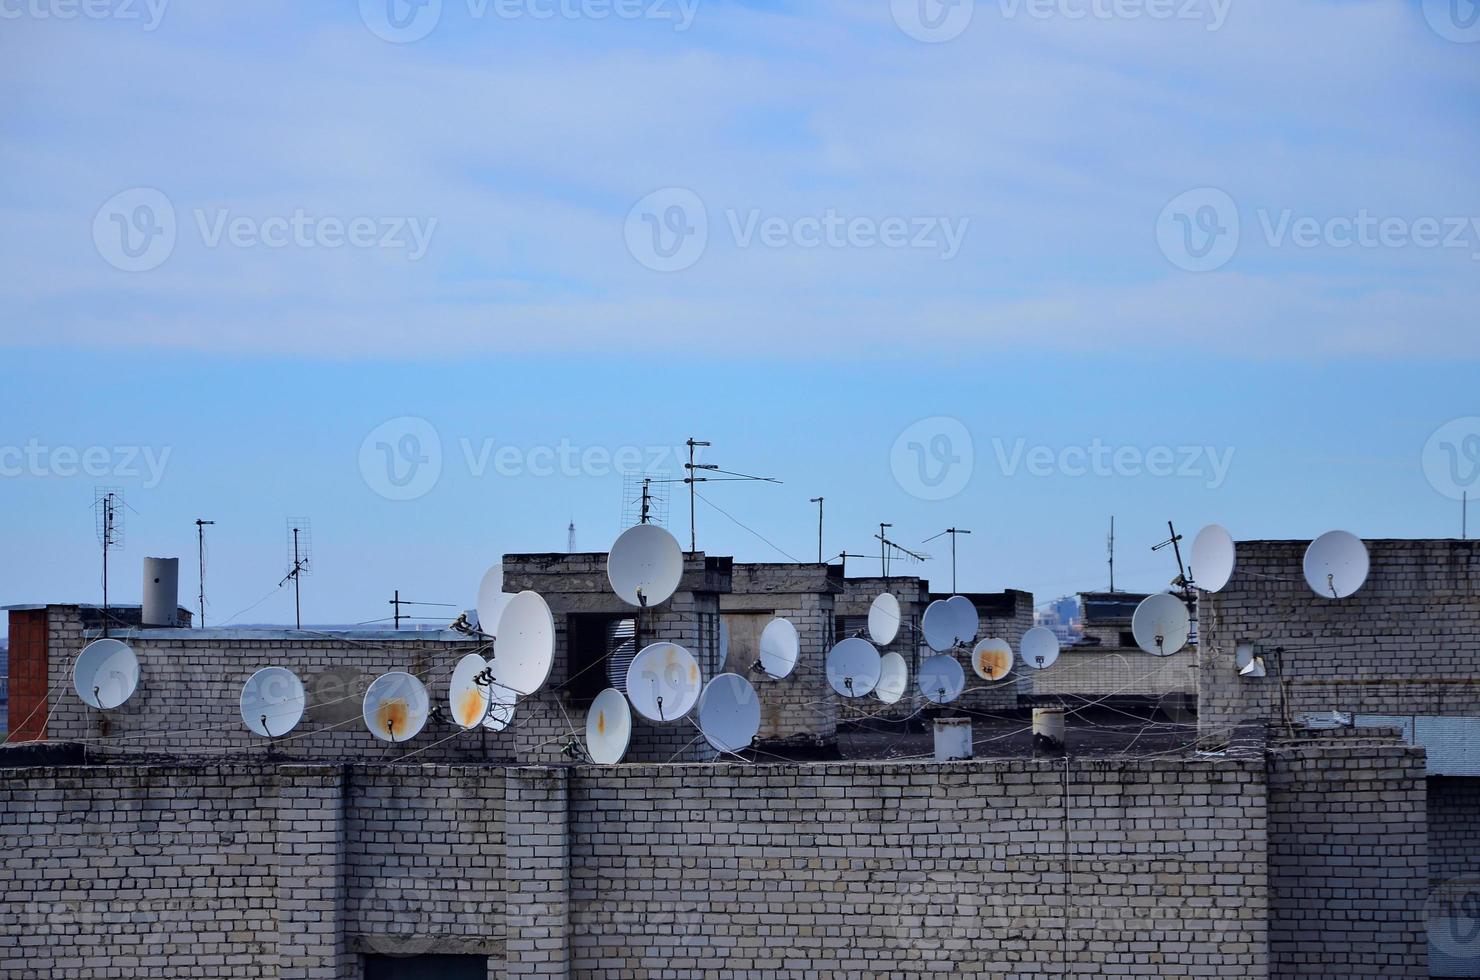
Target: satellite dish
272 702
1243 655
883 619
940 626
525 650
645 565
468 698
501 704
853 667
491 600
663 682
1040 648
608 728
779 648
941 679
968 623
396 706
894 678
1212 558
105 674
1161 625
992 659
729 713
1336 564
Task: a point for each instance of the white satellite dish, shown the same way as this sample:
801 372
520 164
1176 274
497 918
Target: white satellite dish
501 705
664 682
1040 648
106 673
1336 564
525 650
491 600
272 702
645 565
1247 662
779 648
941 679
729 713
1213 558
853 667
608 728
396 706
894 678
940 626
467 698
992 659
968 623
1161 625
883 619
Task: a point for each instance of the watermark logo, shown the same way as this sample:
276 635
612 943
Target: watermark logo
401 21
932 21
36 459
668 230
1453 914
1213 12
1101 459
401 459
134 230
148 12
1451 458
934 458
1454 20
1198 230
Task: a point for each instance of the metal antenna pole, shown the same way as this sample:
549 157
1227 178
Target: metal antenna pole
107 540
818 502
396 603
200 546
952 531
693 537
1464 515
884 551
297 588
1111 547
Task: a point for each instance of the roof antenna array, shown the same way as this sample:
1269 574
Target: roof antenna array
952 531
888 548
108 509
1182 581
300 558
200 551
693 468
645 499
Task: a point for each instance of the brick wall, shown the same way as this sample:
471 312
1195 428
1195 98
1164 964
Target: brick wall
1348 859
801 871
1407 643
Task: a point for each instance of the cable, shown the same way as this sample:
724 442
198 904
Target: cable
756 533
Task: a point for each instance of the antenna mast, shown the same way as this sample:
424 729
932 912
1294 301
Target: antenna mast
818 502
693 478
106 504
885 544
1181 581
1110 546
952 531
300 545
200 550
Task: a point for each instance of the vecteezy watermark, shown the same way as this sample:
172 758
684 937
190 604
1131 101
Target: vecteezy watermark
35 459
1200 230
404 21
136 230
1451 458
934 458
1454 20
402 459
148 12
1211 13
932 21
1453 916
1100 459
668 230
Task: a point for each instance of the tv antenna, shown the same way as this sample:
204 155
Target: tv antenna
884 549
818 502
693 468
952 531
845 555
108 510
397 602
645 499
1110 547
200 551
1175 542
300 554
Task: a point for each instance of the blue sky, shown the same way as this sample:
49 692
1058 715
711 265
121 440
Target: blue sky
1244 230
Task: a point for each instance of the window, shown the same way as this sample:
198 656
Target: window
600 648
